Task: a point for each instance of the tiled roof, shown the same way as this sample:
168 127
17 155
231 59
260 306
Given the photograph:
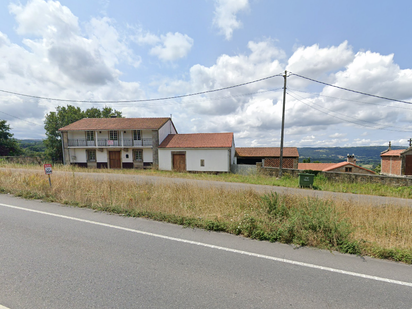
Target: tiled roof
266 152
314 166
91 124
198 140
324 167
393 153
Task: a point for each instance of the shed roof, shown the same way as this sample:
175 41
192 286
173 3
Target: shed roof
393 153
324 167
314 166
266 152
198 140
91 124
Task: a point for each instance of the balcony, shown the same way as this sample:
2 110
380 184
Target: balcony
81 142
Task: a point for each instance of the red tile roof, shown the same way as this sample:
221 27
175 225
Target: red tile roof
90 124
314 166
393 153
198 140
324 167
266 152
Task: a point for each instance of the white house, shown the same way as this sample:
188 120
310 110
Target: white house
200 152
115 142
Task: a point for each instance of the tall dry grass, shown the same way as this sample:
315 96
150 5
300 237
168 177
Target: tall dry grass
377 231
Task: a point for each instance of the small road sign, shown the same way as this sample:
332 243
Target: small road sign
47 169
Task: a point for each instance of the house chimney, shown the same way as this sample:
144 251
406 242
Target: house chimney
351 158
390 146
113 116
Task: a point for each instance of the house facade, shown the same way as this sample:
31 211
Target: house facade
200 152
269 156
115 142
396 162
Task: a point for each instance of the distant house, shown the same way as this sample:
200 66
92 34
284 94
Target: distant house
199 152
115 142
348 166
396 162
269 156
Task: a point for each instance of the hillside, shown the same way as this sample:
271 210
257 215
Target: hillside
368 155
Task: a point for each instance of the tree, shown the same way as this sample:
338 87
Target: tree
64 116
306 160
9 146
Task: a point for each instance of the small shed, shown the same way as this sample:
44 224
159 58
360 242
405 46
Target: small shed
269 156
199 152
396 162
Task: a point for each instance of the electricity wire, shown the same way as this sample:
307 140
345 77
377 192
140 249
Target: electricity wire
143 100
380 127
351 90
21 119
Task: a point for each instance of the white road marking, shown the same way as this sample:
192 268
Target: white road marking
2 307
261 256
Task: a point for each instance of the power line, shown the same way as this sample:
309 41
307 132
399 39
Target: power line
354 122
21 119
142 100
351 90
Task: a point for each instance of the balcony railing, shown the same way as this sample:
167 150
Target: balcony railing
81 142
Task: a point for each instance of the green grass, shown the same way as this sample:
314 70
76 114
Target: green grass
321 183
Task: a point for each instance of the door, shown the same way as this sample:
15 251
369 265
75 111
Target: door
408 165
179 162
114 159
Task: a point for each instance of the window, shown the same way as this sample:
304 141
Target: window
89 135
138 155
348 169
91 155
202 162
113 135
137 135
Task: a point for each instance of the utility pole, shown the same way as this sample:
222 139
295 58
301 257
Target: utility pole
283 125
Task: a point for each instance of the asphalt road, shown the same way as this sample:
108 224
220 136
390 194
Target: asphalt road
356 199
52 256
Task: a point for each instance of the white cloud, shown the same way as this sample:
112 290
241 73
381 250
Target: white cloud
169 47
111 44
173 46
225 15
46 19
60 60
326 117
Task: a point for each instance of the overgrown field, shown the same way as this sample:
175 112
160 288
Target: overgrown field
384 232
320 182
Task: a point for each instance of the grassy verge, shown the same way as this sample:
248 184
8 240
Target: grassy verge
383 232
320 182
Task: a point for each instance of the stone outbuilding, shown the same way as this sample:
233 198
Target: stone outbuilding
397 162
269 156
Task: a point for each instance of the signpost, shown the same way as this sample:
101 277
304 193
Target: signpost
48 171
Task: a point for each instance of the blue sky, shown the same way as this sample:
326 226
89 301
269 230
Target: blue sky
132 49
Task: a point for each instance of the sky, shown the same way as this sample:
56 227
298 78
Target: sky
135 50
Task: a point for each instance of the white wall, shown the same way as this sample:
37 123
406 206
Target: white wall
146 133
76 135
165 130
80 155
147 155
101 156
130 153
216 160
